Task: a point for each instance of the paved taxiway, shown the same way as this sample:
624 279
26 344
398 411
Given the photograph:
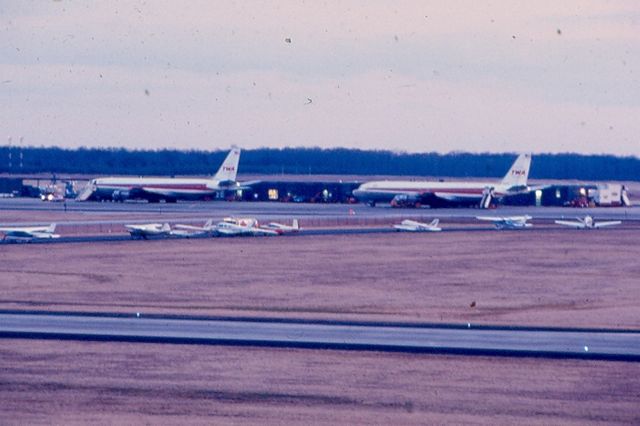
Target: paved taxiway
587 344
276 210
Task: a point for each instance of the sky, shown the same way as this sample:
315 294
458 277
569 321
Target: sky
415 76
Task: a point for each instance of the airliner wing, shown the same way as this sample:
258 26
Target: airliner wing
157 191
442 195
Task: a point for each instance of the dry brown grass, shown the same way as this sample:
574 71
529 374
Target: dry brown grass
122 383
556 278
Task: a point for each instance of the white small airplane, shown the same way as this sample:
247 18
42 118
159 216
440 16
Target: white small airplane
149 230
283 229
508 222
29 233
587 223
188 231
231 226
413 226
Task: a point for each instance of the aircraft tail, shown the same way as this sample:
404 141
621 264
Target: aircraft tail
229 168
208 223
165 228
295 225
51 229
519 172
434 223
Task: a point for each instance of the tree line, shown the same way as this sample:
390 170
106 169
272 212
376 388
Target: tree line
333 161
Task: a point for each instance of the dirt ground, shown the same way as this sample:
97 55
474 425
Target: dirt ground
122 383
545 277
551 278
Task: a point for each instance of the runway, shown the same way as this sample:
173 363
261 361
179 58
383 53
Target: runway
470 340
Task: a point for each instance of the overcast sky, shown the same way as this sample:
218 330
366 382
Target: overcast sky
417 76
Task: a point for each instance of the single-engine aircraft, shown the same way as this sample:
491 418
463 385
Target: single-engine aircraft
414 226
190 231
145 231
28 233
508 222
283 229
587 223
231 226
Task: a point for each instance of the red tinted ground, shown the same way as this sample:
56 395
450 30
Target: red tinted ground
70 382
556 278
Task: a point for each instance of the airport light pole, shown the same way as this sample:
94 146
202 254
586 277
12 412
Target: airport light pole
10 154
21 139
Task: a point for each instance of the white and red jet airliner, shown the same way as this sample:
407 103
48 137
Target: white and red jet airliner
167 189
448 193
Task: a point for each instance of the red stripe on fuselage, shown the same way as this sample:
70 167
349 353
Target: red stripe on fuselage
162 186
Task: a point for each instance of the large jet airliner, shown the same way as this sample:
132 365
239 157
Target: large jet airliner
448 193
167 189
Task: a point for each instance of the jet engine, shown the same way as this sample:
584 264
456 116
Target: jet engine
120 195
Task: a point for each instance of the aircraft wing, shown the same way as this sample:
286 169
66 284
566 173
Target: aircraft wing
43 235
190 228
20 233
537 187
412 228
491 219
405 228
188 234
442 195
571 223
149 227
430 229
26 229
135 227
156 191
231 231
603 224
262 231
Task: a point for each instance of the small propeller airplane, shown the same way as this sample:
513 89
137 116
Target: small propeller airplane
145 231
283 229
28 233
414 226
508 222
190 231
587 223
231 226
